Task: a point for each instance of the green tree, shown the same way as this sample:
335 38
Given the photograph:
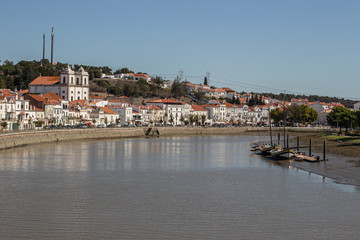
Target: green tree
182 119
341 117
357 114
203 119
171 120
106 70
200 96
277 115
205 81
156 85
4 125
196 119
191 119
143 87
123 70
178 88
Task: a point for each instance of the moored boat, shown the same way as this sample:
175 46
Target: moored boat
280 153
266 149
301 157
256 145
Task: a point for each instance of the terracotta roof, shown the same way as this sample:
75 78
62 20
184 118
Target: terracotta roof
23 91
138 75
154 107
164 101
96 97
52 102
198 108
52 96
108 111
117 100
81 102
46 80
37 98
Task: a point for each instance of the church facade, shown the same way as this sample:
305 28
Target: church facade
70 85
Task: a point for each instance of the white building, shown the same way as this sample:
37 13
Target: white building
125 113
70 85
217 112
357 106
173 110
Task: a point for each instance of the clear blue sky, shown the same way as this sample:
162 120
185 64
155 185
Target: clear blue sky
304 46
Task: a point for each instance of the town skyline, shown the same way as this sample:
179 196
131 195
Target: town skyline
297 48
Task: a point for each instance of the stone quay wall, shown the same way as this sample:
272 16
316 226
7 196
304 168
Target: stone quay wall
17 139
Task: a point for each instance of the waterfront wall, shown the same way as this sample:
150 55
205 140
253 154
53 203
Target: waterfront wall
11 140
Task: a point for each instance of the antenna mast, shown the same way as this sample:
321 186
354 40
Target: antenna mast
43 46
52 45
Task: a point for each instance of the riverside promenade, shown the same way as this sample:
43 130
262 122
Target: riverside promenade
18 139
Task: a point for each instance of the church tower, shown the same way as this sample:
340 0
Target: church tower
74 85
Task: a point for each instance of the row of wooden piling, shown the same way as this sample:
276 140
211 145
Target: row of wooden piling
286 145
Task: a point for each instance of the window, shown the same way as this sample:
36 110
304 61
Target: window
77 81
63 91
78 98
72 80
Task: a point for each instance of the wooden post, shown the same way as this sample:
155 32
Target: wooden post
298 144
284 137
278 138
271 140
310 148
287 141
324 151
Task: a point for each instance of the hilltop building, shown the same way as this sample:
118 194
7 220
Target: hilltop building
70 85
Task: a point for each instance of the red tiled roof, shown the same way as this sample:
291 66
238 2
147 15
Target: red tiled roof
37 98
198 108
138 75
23 91
164 101
108 111
81 102
117 100
52 96
154 107
46 80
96 97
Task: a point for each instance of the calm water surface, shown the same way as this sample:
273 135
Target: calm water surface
208 187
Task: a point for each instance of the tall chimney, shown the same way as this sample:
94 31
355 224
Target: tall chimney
52 45
43 46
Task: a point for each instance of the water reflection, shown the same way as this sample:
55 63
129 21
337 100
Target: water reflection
176 153
207 187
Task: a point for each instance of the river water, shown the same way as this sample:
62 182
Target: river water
201 187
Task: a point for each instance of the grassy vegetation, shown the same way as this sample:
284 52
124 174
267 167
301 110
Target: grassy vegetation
341 138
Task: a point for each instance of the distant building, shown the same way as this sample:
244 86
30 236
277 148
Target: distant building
133 76
70 85
357 106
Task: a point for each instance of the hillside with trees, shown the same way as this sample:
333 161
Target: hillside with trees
18 76
312 98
